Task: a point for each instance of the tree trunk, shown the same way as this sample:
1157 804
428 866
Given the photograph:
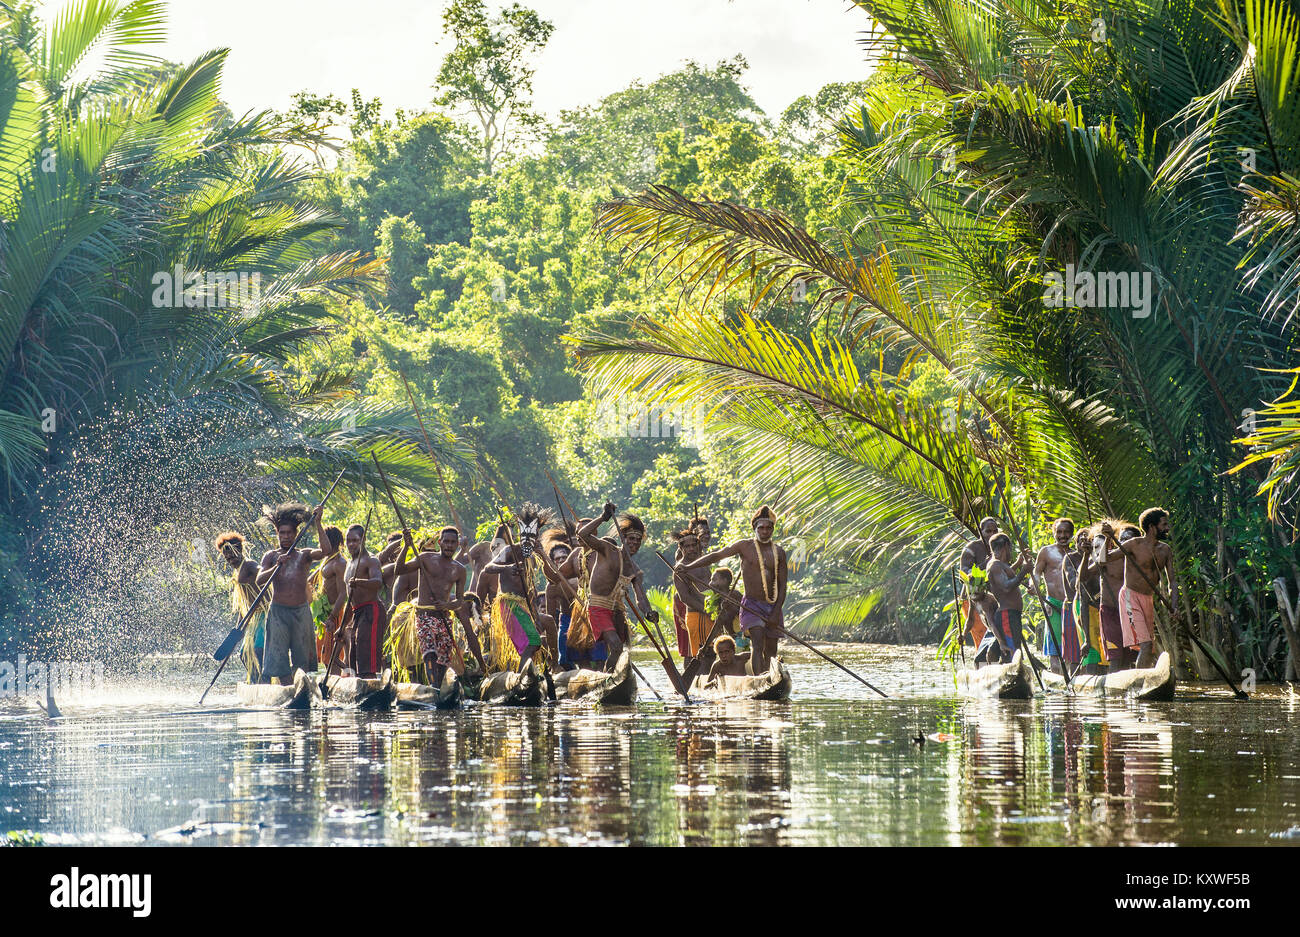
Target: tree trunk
1288 615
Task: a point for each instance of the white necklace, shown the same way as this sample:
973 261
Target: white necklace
762 572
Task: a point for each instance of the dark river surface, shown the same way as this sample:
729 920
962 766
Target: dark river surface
834 766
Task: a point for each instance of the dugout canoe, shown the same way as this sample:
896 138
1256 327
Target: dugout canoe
301 694
774 686
368 693
613 688
1150 683
998 681
424 696
512 688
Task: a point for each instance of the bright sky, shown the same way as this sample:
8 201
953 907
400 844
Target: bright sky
386 48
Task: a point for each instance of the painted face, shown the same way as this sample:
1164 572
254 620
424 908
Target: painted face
559 555
286 533
763 530
449 543
354 541
1063 531
633 540
988 529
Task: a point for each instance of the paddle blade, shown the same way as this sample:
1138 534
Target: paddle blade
228 645
675 678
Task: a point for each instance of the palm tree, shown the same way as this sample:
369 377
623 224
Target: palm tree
143 392
1002 143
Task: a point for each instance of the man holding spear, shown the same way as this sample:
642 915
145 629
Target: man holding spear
612 575
290 628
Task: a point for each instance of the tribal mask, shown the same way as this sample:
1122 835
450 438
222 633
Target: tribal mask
531 520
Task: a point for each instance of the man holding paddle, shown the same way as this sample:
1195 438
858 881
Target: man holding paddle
441 589
764 574
290 629
365 580
614 572
1145 558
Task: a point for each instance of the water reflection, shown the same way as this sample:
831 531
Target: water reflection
831 767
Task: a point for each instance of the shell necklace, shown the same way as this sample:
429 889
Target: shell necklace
762 572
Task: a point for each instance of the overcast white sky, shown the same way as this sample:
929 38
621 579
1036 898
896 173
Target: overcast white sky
386 48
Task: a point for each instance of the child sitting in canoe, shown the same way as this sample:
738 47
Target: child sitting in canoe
728 663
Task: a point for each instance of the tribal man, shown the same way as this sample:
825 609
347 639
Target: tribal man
1112 582
329 598
514 620
1145 558
1060 639
290 631
243 577
764 574
440 593
689 588
976 556
1005 580
613 574
1085 578
561 590
365 630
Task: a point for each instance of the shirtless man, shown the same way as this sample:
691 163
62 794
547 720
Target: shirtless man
243 578
290 630
976 556
574 570
364 633
1112 581
613 573
1145 557
512 608
689 589
1060 642
764 574
1084 580
325 607
440 593
401 586
560 593
1005 580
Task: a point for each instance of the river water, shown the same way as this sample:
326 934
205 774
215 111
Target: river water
140 762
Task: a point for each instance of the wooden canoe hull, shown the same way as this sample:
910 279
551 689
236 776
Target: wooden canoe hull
301 694
773 686
998 681
1156 683
362 693
423 696
512 689
615 688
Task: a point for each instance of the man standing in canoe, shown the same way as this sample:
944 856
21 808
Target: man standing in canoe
243 577
1086 583
689 589
613 573
365 631
290 630
560 591
1061 639
329 597
440 593
1005 580
1145 558
764 574
1112 581
515 567
976 556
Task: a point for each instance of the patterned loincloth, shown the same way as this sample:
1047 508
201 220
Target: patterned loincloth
433 630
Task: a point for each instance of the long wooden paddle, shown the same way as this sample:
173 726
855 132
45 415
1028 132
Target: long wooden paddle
956 610
227 647
1173 614
428 445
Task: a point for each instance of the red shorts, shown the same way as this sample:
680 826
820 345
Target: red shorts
602 620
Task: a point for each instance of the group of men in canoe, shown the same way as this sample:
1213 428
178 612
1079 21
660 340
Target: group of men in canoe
560 594
1097 587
